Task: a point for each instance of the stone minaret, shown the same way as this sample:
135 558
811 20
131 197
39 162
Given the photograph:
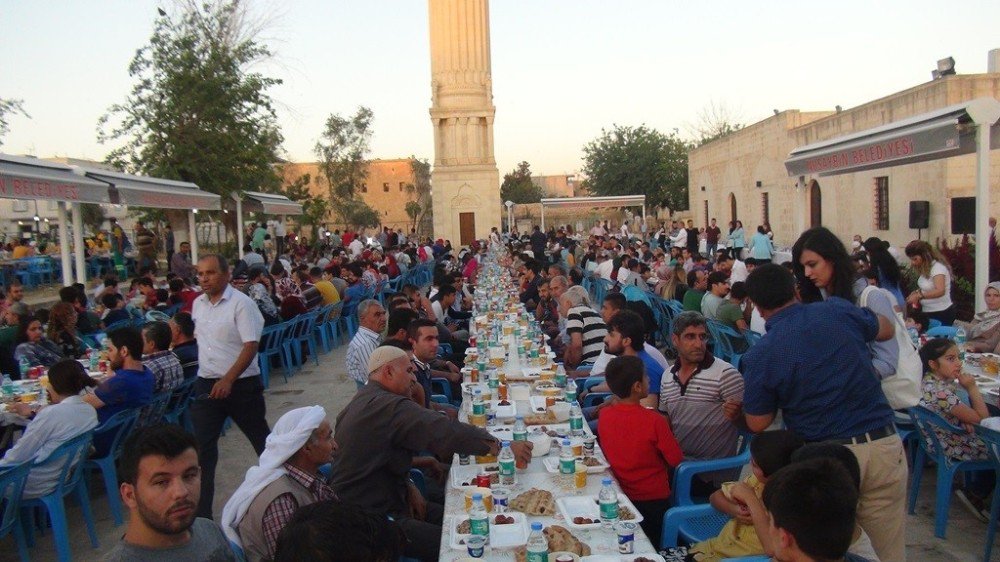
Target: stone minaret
466 183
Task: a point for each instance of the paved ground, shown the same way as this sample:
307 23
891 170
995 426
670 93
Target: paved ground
328 385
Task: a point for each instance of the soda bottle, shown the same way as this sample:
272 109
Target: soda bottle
575 420
608 500
567 462
479 520
520 430
538 545
508 476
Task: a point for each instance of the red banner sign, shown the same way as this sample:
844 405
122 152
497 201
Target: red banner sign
23 188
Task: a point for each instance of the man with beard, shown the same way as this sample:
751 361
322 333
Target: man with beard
161 484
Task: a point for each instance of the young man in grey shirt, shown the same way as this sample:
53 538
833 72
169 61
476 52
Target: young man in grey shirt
161 483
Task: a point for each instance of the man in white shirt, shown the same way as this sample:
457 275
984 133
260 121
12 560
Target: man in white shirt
679 240
371 320
228 325
626 234
605 266
736 269
598 230
356 247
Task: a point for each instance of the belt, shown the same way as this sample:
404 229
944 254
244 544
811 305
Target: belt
869 436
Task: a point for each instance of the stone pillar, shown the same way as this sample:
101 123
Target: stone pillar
465 179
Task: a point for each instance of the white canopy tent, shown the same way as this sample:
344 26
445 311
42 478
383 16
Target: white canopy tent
964 128
259 202
591 202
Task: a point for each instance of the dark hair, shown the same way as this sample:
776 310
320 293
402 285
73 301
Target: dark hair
933 350
715 278
576 275
144 281
391 342
164 440
693 277
159 333
816 502
68 377
444 291
162 295
560 270
882 260
22 327
176 284
277 268
825 243
110 281
738 290
622 373
185 323
130 339
629 325
316 271
400 318
414 327
331 531
110 300
772 450
616 300
223 264
69 294
770 286
831 450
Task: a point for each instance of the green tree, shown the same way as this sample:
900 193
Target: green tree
314 209
413 211
92 215
638 161
9 108
421 186
342 151
518 187
198 111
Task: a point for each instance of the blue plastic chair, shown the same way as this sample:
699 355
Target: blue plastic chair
445 350
442 386
300 333
992 440
925 420
332 326
321 330
152 413
116 325
270 347
12 480
117 427
941 332
595 398
70 456
691 524
686 471
238 552
180 400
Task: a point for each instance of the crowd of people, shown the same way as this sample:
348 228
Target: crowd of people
817 340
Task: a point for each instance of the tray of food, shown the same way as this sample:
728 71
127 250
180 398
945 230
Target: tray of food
465 475
583 512
595 464
645 557
560 540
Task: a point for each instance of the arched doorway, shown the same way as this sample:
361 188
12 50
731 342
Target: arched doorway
733 215
815 205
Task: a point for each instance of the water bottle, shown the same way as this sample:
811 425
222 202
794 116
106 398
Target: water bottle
914 336
570 390
960 339
538 545
94 359
25 366
478 417
8 385
608 500
561 378
508 476
567 462
575 419
479 522
520 430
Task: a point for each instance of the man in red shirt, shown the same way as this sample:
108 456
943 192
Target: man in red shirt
638 443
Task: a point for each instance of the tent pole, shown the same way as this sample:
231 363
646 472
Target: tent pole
193 235
543 217
81 266
983 242
239 225
64 245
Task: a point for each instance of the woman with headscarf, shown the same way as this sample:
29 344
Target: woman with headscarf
983 332
286 477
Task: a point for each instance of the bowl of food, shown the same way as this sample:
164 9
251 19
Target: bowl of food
541 444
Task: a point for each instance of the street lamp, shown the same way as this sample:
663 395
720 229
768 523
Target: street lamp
510 215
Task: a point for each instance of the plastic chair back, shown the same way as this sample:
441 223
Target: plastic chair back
152 413
942 332
118 427
70 454
992 440
12 481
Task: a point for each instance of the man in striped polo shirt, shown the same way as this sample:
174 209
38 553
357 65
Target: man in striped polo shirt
584 326
702 396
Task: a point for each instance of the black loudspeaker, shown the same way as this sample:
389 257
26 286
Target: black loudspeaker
963 215
920 214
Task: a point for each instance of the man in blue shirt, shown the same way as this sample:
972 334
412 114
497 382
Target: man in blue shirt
356 289
129 385
814 365
625 337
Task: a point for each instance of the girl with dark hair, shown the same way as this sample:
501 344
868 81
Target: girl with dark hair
64 418
34 346
823 269
886 266
737 240
933 292
62 330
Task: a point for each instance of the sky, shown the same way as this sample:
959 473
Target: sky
562 69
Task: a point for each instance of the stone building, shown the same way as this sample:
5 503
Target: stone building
742 175
561 185
385 189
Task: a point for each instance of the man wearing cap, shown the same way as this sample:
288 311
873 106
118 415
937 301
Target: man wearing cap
286 478
380 431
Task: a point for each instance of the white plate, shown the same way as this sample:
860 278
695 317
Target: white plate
621 557
513 534
467 473
561 428
586 506
455 537
552 465
531 371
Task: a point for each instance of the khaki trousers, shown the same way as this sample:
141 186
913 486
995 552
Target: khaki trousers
882 509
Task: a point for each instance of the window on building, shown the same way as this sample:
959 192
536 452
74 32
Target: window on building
402 186
880 216
765 208
364 188
706 214
20 206
385 187
53 204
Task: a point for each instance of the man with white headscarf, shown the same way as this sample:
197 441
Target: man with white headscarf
286 478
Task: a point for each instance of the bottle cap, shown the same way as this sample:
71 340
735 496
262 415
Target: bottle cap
606 482
536 526
565 442
477 497
505 443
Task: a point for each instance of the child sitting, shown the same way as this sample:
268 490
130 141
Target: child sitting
941 396
638 443
809 512
769 452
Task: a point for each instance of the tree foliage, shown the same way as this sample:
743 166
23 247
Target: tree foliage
9 108
314 209
518 187
638 161
421 186
413 211
92 215
342 151
197 111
